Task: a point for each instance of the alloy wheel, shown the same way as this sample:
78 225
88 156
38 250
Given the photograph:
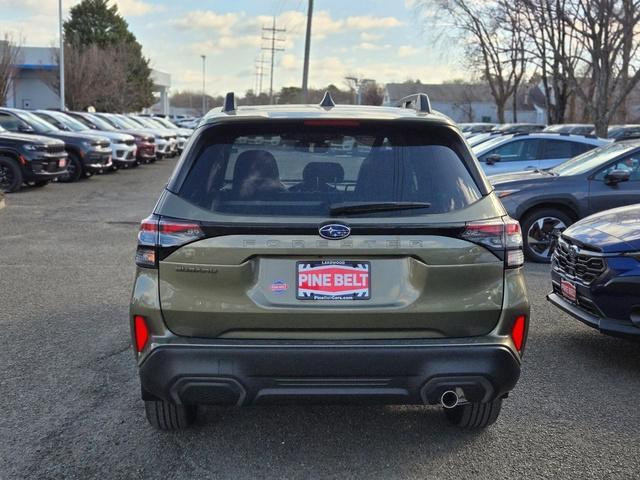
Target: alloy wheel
6 178
542 235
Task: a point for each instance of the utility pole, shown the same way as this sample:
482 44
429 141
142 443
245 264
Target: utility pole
260 73
307 47
204 95
61 57
273 31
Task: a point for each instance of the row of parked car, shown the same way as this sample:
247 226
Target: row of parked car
39 146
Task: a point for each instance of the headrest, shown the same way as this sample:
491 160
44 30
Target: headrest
322 172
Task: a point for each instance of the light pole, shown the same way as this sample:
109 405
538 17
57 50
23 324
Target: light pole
204 95
61 56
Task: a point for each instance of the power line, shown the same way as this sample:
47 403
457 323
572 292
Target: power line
272 37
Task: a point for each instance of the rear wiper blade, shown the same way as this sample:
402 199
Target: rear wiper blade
372 207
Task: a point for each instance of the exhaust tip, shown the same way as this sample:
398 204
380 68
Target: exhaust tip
449 399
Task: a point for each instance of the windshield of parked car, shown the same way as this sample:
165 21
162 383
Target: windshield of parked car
153 122
146 122
165 122
38 124
593 159
69 122
137 122
125 122
315 171
118 122
100 123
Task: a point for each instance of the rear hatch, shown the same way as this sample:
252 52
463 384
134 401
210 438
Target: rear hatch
345 230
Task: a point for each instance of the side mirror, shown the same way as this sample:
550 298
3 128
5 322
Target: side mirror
24 128
617 176
492 159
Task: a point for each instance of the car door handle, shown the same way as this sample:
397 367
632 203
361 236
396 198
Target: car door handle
530 167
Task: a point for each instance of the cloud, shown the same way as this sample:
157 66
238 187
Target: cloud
207 20
407 51
136 8
367 22
370 37
371 46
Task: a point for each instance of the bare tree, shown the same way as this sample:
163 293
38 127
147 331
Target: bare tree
9 52
550 48
494 35
95 76
604 72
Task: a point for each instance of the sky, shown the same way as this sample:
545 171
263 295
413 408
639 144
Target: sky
383 40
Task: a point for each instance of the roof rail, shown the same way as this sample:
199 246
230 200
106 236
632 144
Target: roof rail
230 104
418 101
327 100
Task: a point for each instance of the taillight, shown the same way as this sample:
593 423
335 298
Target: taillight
518 331
141 332
502 237
160 236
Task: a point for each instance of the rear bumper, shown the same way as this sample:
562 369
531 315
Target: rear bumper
394 373
602 324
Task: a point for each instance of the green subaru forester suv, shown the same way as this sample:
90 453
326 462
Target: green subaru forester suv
323 253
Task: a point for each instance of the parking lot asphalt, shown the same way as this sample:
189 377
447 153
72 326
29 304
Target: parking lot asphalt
70 395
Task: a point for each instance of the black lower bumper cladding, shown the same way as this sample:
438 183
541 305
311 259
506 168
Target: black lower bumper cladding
602 324
263 374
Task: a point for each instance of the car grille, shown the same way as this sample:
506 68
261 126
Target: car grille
54 148
578 264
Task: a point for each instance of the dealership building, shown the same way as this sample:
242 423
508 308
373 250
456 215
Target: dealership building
36 70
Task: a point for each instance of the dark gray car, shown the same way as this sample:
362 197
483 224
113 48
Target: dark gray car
546 202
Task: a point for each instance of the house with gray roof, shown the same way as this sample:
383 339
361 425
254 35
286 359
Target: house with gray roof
469 102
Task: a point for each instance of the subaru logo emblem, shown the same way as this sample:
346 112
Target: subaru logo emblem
334 231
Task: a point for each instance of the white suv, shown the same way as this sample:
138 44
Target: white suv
531 151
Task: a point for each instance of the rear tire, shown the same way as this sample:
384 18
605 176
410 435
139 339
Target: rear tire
169 416
473 416
10 175
539 226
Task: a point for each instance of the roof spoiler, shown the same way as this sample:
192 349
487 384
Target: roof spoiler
418 101
230 104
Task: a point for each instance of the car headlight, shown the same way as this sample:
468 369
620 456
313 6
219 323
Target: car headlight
506 193
33 147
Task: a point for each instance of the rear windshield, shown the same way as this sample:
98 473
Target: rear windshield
306 169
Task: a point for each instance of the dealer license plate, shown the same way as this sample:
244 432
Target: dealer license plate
568 290
333 280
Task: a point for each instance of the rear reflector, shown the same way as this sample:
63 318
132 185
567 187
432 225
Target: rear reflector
141 332
517 332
